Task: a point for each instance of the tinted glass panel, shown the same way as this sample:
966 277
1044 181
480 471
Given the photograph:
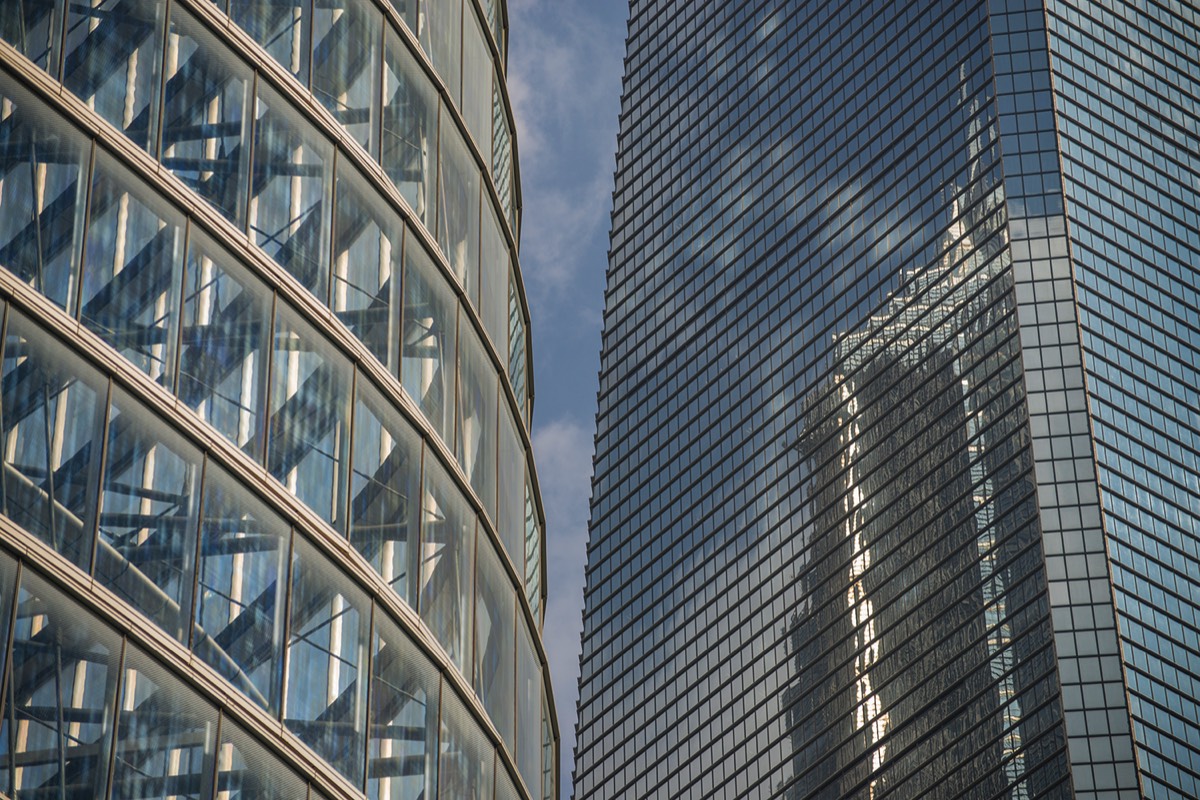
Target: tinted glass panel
206 117
150 505
53 422
223 351
327 648
132 270
385 491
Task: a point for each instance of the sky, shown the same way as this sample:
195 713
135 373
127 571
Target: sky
564 78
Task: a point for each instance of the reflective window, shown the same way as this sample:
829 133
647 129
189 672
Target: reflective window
445 42
52 409
447 564
310 407
166 735
410 119
533 553
43 182
150 501
281 27
529 710
58 701
458 208
289 192
510 517
477 418
501 155
404 718
327 647
477 81
345 65
494 268
133 265
223 347
465 763
516 347
112 61
248 771
385 491
430 317
34 27
367 251
206 117
495 607
241 588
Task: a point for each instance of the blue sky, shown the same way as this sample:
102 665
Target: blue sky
564 75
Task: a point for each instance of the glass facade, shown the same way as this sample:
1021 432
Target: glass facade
269 518
895 488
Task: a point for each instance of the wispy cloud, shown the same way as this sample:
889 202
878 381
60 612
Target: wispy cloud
564 80
564 457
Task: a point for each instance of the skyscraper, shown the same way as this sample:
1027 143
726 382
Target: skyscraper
897 485
270 523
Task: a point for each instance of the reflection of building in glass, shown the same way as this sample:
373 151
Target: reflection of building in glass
905 631
952 248
270 523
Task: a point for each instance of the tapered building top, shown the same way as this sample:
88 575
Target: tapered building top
896 477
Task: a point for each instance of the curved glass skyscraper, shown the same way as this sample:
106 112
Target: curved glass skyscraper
897 482
270 523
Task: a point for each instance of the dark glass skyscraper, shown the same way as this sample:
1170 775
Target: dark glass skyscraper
269 520
897 482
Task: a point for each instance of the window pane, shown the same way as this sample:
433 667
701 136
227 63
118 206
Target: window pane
447 563
427 365
477 82
404 718
533 553
59 697
410 118
445 37
367 249
516 347
510 518
494 270
289 192
477 418
529 710
166 735
112 61
205 136
248 771
310 404
495 607
385 491
346 41
505 788
458 208
34 28
465 765
326 649
147 541
44 182
281 27
132 270
53 417
242 582
502 155
226 322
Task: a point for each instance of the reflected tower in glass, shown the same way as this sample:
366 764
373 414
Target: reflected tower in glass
896 486
270 524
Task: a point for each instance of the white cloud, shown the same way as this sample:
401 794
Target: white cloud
563 449
564 81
